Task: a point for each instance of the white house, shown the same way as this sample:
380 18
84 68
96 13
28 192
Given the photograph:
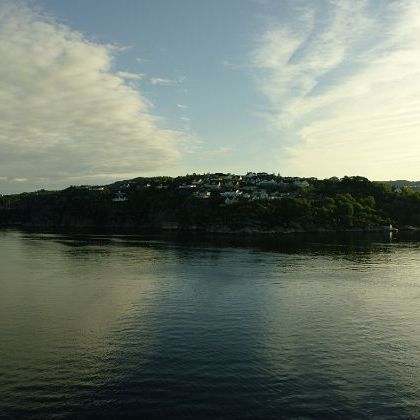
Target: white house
231 194
260 195
202 194
214 184
120 196
268 182
187 187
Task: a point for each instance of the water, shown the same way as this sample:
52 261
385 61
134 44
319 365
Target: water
124 326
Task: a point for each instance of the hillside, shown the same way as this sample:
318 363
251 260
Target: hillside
220 203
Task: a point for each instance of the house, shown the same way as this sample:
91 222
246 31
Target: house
223 176
119 197
233 183
334 179
262 174
260 195
187 186
267 182
249 188
283 186
201 194
301 184
231 194
278 196
214 184
250 175
231 200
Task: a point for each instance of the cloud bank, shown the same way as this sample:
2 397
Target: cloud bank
65 116
343 82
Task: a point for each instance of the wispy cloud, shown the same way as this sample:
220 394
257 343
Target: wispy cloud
343 81
166 82
142 60
64 113
130 76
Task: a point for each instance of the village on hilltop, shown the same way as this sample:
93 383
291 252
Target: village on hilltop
230 187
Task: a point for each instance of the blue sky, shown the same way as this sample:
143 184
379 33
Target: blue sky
202 47
99 90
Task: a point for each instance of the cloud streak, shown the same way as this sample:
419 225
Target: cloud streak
343 83
165 82
130 76
65 115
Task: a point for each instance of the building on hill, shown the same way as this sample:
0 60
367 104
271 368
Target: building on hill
119 197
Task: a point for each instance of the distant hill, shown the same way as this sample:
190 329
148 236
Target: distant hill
403 183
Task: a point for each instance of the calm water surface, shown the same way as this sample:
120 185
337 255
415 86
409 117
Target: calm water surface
129 326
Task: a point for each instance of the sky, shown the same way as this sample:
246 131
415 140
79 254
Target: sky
94 91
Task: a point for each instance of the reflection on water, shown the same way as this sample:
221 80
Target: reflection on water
216 327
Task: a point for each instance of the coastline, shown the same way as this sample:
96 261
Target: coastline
212 229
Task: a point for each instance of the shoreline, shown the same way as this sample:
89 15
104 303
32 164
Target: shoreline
216 229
